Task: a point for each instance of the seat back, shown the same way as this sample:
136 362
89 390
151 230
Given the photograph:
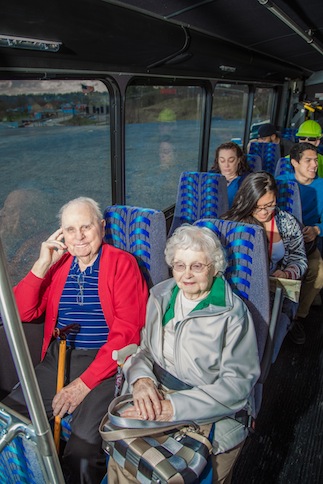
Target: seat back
142 232
248 271
248 276
21 459
199 195
290 133
289 198
269 153
283 167
254 162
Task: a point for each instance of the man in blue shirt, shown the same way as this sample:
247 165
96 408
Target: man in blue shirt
305 162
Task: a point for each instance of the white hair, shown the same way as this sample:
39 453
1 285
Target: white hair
200 239
94 206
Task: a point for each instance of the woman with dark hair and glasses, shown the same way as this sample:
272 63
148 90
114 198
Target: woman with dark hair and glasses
255 203
198 357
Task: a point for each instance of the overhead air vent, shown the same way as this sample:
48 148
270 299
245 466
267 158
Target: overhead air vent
29 44
227 68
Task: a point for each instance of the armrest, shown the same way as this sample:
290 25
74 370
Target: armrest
120 356
269 347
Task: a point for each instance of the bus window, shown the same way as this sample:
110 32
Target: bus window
262 109
228 115
54 147
162 140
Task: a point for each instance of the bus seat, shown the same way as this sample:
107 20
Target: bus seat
248 275
290 133
142 232
283 167
199 195
254 162
269 154
289 198
21 459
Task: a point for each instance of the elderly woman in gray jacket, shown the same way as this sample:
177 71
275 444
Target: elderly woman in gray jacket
198 357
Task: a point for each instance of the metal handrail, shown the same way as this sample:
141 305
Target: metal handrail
25 370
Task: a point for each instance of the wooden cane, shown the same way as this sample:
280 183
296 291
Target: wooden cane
59 386
62 334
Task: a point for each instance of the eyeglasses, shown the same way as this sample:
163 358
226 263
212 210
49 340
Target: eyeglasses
196 267
307 138
269 208
80 280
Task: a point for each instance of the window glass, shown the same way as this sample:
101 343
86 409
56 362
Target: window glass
162 140
228 115
262 109
54 138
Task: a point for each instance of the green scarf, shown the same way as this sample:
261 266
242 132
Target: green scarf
216 297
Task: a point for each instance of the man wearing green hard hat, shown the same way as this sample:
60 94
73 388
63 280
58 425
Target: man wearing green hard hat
311 132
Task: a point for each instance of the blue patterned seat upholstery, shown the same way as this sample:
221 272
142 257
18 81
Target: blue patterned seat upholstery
269 154
142 232
254 162
248 275
199 195
290 133
283 167
21 460
289 198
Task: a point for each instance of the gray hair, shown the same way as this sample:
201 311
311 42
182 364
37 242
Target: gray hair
200 239
94 206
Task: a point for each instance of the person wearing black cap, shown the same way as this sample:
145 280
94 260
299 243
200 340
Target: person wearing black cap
267 134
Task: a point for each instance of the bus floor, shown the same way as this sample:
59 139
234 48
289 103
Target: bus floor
286 447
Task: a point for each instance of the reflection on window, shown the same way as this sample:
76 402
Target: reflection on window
262 109
228 115
54 147
162 140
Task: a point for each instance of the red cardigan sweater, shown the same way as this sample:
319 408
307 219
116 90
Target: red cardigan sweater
123 295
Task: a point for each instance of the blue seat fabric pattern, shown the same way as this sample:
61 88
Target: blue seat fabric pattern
199 195
248 275
269 154
283 167
142 232
290 133
247 272
20 460
254 162
289 199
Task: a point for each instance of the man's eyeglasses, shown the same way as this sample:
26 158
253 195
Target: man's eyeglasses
196 267
307 138
269 208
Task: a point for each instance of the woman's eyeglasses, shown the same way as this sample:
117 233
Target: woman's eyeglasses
269 208
307 138
196 267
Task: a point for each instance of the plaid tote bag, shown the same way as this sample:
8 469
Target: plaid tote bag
155 452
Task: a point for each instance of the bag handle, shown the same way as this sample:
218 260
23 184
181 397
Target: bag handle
117 421
127 428
123 433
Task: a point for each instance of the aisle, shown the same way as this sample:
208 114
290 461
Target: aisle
287 446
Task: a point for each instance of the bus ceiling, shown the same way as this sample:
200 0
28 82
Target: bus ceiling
253 40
